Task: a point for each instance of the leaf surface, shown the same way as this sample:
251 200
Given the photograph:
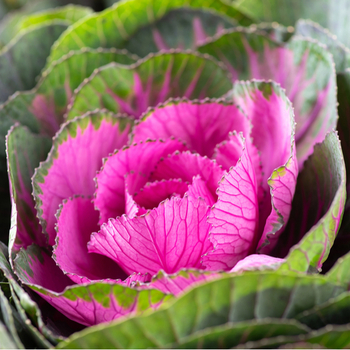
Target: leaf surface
329 14
149 82
232 298
24 58
118 23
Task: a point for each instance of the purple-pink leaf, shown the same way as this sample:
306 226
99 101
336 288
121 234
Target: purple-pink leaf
185 166
76 155
199 189
136 162
229 151
40 269
202 125
267 105
257 261
76 221
155 192
235 216
170 237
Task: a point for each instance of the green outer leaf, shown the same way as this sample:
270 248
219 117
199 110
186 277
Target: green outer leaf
22 61
164 75
286 12
6 316
9 26
342 242
232 298
326 165
230 47
69 14
341 54
54 88
332 337
334 311
6 340
274 30
112 27
333 15
233 334
25 151
178 29
337 337
24 304
340 273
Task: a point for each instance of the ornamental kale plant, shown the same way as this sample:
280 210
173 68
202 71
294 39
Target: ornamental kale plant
176 176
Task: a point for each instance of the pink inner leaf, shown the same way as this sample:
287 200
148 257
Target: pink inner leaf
267 105
202 125
185 166
77 220
235 216
139 161
172 236
255 261
153 193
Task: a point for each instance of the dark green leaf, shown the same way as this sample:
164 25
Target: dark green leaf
22 61
113 27
233 298
183 28
150 81
233 334
333 15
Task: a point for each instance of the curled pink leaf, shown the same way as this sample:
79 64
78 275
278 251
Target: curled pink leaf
235 216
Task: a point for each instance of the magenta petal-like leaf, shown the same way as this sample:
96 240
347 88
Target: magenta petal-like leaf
202 125
170 237
235 216
76 155
229 151
185 166
76 221
199 189
139 159
273 122
155 192
256 261
267 105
